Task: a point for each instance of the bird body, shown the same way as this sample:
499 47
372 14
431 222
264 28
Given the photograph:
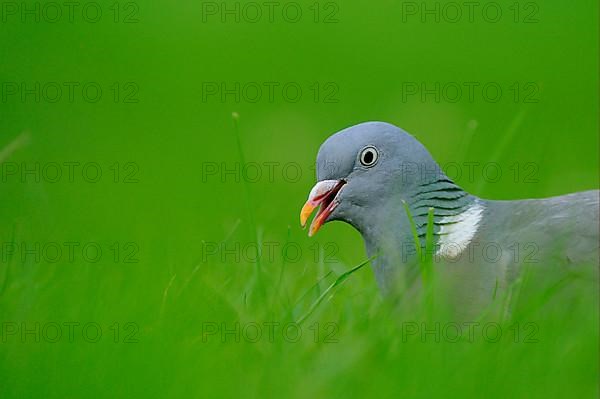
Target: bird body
383 182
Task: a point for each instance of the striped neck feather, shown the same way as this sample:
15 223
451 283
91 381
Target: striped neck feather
456 215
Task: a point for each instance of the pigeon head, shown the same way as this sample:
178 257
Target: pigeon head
365 171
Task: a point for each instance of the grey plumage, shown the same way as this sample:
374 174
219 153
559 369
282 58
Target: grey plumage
497 237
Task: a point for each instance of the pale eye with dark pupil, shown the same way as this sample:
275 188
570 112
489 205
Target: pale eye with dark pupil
368 156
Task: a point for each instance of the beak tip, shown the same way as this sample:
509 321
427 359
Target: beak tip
303 220
305 213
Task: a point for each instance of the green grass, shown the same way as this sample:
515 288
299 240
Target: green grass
353 343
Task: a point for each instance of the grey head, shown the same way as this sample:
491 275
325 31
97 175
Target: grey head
367 172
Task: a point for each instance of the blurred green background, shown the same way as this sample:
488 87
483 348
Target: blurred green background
162 135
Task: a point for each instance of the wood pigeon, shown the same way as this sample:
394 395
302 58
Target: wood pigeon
374 175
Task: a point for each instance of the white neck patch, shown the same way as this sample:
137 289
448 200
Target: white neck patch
455 237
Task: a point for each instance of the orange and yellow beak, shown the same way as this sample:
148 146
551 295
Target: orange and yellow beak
323 195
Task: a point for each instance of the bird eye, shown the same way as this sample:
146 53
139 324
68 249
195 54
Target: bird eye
368 156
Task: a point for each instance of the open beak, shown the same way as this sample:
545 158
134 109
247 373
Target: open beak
323 195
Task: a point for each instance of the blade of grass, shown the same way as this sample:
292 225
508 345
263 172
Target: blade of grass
257 280
249 209
341 278
495 290
413 229
500 148
200 263
166 294
9 261
547 295
427 265
466 140
18 142
282 270
313 288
